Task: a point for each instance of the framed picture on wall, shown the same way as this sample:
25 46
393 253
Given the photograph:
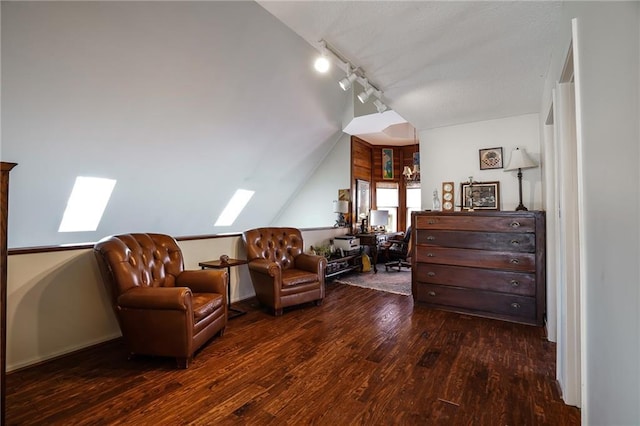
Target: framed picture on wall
387 163
480 195
491 158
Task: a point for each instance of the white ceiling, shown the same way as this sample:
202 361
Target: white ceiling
437 63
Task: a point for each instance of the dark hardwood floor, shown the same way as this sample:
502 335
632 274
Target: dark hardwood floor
363 357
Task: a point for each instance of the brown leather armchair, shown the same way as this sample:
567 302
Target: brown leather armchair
281 273
161 308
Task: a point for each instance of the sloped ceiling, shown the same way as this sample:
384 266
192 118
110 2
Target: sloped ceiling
181 102
438 63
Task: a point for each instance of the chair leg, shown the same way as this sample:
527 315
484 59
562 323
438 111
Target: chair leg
277 312
318 302
183 363
222 330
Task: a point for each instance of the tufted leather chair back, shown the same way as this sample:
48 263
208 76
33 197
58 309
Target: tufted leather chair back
280 245
138 260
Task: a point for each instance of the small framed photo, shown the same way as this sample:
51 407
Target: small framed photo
491 158
480 195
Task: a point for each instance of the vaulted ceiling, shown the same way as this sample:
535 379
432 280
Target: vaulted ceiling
184 102
438 63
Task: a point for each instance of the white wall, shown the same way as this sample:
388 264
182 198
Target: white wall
607 81
313 202
57 303
452 154
181 102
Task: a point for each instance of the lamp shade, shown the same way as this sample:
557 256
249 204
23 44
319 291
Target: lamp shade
379 217
407 171
340 206
520 160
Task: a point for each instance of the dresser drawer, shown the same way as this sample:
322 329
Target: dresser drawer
521 283
495 241
476 223
524 262
482 302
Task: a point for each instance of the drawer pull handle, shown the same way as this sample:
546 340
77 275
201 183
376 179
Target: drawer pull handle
515 242
431 274
432 293
515 305
431 255
431 221
515 283
514 261
431 238
515 224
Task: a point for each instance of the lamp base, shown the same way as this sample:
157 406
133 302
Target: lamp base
341 221
521 206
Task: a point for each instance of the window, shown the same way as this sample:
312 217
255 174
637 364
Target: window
387 199
413 200
86 204
234 207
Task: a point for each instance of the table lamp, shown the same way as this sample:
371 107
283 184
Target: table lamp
341 207
520 160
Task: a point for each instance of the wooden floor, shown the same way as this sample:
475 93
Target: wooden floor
363 357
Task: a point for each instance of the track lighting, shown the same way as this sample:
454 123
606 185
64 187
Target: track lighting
364 96
331 56
345 83
322 63
381 107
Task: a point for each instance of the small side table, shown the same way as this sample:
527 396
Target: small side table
217 264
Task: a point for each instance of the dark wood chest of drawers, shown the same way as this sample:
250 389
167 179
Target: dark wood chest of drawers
490 264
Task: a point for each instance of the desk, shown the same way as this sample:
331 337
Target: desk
217 264
373 240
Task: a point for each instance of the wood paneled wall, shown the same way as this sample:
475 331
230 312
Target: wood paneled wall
366 164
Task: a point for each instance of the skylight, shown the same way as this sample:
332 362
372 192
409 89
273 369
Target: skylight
234 207
86 204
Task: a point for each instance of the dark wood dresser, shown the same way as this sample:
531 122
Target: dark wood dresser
485 263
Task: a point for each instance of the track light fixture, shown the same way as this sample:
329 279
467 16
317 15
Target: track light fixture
345 83
353 74
368 91
381 107
322 63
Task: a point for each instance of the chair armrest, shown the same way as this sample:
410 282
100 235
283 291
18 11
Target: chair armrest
204 281
264 266
178 298
396 238
311 263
